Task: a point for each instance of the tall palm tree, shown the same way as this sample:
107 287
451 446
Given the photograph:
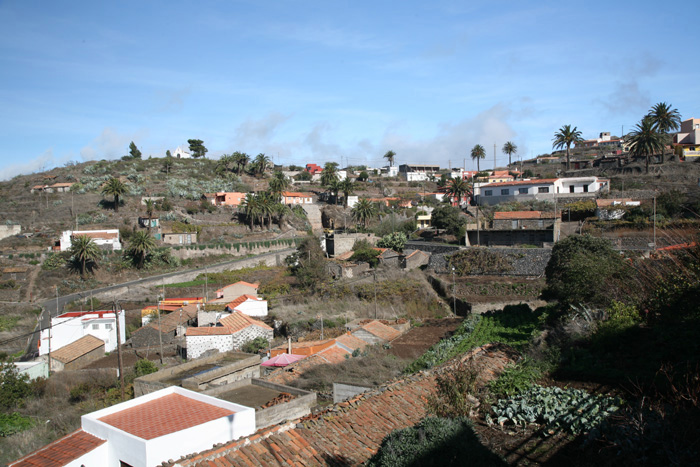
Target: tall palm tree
478 152
389 156
364 211
267 208
84 252
509 148
277 184
241 159
224 163
114 187
140 246
260 164
665 119
330 173
457 188
565 137
346 186
150 207
645 140
251 208
334 187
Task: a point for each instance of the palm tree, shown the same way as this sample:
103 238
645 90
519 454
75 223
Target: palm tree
84 251
645 140
261 164
665 119
150 207
222 166
277 185
330 173
114 187
565 137
364 211
334 187
251 208
509 148
457 188
478 152
140 246
241 159
346 186
389 156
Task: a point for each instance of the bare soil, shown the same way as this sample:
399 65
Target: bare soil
416 341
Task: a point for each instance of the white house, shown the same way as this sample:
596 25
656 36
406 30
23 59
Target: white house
415 176
234 330
180 153
249 304
233 291
390 171
71 326
108 239
290 197
547 189
148 431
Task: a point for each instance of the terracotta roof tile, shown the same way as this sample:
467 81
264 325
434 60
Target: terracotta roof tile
77 349
238 320
381 330
241 299
61 451
165 415
351 342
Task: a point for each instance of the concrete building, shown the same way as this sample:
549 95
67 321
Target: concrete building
248 304
71 326
540 189
107 239
78 354
233 199
292 198
689 137
517 228
232 333
147 431
181 238
180 153
232 291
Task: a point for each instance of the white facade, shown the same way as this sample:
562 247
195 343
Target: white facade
543 189
352 201
180 153
225 342
390 171
252 307
133 450
69 327
415 176
342 175
107 238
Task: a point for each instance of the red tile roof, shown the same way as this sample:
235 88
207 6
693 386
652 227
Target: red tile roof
248 284
76 349
60 452
165 415
351 342
303 348
243 298
381 330
238 320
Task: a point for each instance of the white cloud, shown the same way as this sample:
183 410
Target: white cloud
39 164
110 145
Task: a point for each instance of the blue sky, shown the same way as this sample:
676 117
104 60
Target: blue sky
317 81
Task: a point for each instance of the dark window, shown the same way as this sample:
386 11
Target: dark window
585 188
522 191
488 192
543 189
505 191
571 189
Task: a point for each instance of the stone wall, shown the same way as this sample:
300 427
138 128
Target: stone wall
342 243
343 392
9 230
197 345
254 248
524 261
431 247
248 334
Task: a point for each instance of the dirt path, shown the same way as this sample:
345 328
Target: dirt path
30 285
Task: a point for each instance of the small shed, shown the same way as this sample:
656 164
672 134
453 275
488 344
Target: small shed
78 354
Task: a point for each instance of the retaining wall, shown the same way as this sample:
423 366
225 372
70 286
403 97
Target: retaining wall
523 261
431 247
343 391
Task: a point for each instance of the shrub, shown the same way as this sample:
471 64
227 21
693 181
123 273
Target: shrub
255 345
13 423
455 392
435 442
144 367
14 387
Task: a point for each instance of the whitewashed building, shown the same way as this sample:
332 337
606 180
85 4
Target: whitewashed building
248 304
232 333
547 189
180 153
148 431
108 239
71 326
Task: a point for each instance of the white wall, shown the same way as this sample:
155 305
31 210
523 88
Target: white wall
65 330
253 307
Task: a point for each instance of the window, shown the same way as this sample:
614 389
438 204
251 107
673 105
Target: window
95 327
522 191
513 224
505 191
488 192
540 223
585 188
543 189
108 326
571 189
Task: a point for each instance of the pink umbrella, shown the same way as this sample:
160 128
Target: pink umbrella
283 359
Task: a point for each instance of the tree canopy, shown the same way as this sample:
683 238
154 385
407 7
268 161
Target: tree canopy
478 152
134 152
645 140
197 148
84 253
448 218
509 148
564 138
114 187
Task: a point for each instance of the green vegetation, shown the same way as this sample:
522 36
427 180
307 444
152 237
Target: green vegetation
8 323
435 442
571 410
11 423
14 387
144 367
395 241
479 261
255 345
364 252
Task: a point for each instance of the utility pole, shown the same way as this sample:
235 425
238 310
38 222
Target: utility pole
160 331
115 305
454 293
494 158
654 221
375 294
